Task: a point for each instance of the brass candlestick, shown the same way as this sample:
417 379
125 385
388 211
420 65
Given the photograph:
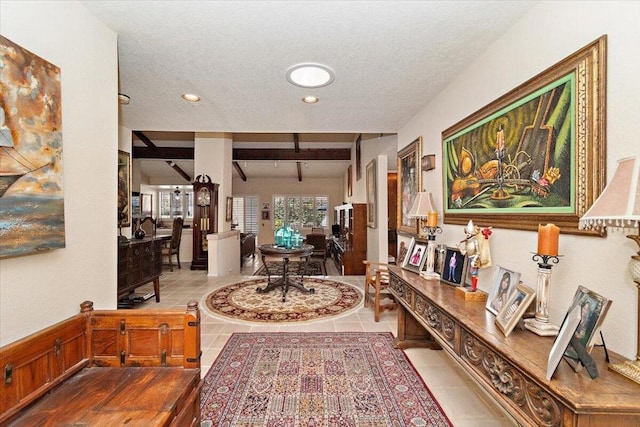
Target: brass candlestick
540 325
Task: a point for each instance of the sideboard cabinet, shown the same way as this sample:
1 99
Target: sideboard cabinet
511 369
139 262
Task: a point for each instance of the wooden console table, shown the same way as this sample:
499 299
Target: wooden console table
139 262
512 369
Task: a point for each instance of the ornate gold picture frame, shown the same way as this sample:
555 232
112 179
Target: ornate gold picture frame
536 154
409 184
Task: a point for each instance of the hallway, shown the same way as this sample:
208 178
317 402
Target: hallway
464 403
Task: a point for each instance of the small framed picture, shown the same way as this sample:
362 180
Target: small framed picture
567 330
265 215
416 256
516 305
454 268
265 206
229 209
592 309
504 282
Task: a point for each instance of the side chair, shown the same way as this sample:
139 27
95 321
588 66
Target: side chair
377 277
172 247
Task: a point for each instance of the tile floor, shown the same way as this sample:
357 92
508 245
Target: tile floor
462 400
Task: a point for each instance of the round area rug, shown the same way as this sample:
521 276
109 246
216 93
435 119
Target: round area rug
240 301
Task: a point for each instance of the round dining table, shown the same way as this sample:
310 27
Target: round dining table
285 281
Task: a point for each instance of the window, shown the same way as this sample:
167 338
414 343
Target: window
176 203
245 214
300 211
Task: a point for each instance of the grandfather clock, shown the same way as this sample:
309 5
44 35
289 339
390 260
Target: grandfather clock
205 219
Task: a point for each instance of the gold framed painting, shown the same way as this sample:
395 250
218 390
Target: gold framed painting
124 188
536 154
372 195
409 183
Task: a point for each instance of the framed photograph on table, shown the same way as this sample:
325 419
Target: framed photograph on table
416 256
454 268
504 282
567 330
592 309
516 305
409 184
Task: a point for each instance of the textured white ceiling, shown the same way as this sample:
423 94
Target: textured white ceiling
389 57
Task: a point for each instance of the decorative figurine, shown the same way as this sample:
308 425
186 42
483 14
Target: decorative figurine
476 247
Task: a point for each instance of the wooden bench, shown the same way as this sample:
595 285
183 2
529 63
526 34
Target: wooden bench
106 367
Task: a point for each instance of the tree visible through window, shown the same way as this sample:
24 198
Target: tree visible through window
300 211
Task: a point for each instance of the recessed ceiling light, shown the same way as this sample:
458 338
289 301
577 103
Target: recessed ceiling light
123 99
310 99
310 75
190 97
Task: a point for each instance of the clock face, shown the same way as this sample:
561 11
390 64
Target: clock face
204 197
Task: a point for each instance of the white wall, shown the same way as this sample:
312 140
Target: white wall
266 188
39 290
550 32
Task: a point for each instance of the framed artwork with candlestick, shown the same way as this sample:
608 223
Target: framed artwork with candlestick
534 155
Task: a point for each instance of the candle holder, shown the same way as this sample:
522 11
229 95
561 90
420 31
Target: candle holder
431 252
540 325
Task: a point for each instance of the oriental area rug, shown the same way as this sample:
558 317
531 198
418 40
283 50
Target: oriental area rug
316 379
296 268
241 302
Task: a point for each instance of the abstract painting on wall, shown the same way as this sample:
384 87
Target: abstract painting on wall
31 191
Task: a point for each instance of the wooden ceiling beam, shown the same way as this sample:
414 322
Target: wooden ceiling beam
290 154
163 153
299 171
179 170
240 171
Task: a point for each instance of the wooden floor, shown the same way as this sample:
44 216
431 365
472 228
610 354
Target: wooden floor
462 400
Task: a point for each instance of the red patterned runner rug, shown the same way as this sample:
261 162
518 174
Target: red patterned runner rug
316 379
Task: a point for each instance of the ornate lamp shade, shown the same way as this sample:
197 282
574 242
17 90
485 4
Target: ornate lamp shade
422 205
619 204
619 207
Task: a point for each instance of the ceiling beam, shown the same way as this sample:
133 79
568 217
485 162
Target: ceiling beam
290 154
163 153
299 171
153 148
240 171
296 142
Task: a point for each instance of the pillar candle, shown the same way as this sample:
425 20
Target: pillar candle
432 219
548 239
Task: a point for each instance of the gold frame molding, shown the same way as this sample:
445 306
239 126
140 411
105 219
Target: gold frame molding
589 159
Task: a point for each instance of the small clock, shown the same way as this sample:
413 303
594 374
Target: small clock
204 197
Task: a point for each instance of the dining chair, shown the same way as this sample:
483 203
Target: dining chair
172 247
148 224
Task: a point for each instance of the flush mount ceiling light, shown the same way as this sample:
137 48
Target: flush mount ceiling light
123 99
310 75
310 99
190 97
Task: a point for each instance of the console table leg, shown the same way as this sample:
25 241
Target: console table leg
156 288
412 334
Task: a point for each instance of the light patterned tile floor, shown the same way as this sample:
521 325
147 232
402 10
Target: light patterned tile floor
462 400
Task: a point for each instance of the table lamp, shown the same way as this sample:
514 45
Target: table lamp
423 207
618 207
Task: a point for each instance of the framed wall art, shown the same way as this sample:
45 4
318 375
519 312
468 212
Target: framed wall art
409 184
536 154
516 305
229 211
372 194
349 182
359 158
416 256
31 167
124 186
504 282
454 267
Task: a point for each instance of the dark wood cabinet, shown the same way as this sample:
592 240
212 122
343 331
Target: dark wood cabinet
349 251
139 262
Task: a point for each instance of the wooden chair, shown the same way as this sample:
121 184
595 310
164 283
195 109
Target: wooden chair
172 247
148 224
319 243
377 277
